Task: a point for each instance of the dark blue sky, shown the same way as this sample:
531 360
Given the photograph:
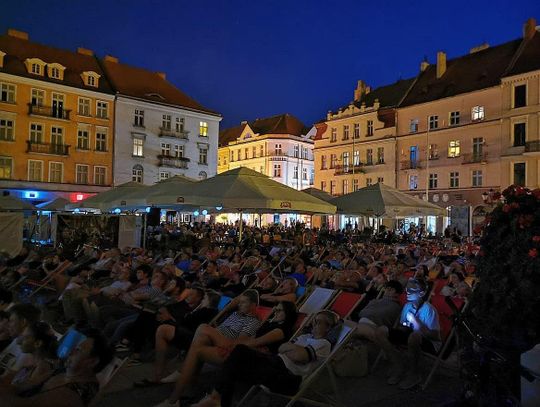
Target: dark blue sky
250 59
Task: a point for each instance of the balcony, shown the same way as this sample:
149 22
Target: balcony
474 158
171 161
349 169
47 148
180 134
532 146
277 155
410 165
47 111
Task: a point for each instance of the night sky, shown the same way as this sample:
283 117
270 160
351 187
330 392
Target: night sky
250 59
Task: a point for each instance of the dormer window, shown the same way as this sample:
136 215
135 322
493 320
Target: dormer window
56 71
35 66
91 78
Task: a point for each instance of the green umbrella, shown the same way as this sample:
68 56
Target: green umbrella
10 203
112 198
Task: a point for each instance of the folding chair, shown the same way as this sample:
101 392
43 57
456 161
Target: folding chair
44 283
347 329
344 303
263 313
105 377
317 300
446 323
438 285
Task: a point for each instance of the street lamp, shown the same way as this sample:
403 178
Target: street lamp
487 197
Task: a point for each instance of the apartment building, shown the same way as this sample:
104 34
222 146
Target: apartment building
56 121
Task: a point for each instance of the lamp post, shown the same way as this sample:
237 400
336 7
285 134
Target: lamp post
488 197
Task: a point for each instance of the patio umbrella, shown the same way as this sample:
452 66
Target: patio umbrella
110 199
58 204
318 193
172 192
10 203
383 201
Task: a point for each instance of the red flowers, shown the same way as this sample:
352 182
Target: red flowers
533 253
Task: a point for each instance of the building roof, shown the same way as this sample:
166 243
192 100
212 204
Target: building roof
18 50
280 124
468 73
528 58
147 85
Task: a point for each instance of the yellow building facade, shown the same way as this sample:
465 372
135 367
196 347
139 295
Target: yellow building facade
56 121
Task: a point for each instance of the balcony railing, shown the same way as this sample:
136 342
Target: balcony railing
474 158
166 132
48 111
532 146
47 148
349 169
171 161
410 165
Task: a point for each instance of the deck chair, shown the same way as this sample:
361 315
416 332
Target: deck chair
263 313
446 315
44 283
105 377
346 330
344 303
317 300
438 285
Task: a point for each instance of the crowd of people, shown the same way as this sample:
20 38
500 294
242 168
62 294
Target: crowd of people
203 302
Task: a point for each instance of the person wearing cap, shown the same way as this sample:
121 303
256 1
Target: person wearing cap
418 329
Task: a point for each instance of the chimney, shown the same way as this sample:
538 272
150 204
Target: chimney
17 34
479 48
162 75
2 55
529 28
441 64
243 122
424 65
361 89
110 58
85 51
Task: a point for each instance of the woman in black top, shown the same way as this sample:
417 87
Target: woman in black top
272 333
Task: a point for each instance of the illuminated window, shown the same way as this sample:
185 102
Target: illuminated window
203 129
454 148
477 113
138 145
6 165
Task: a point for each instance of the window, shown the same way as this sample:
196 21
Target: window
101 140
36 133
346 132
454 118
323 162
333 161
369 182
323 185
163 175
137 173
345 186
380 155
413 182
102 110
355 186
58 105
369 130
477 113
6 165
100 175
356 158
203 129
519 174
312 176
333 134
203 155
246 153
138 118
304 153
261 151
277 170
520 96
6 130
7 93
35 170
254 152
180 123
81 173
83 140
413 125
380 180
477 180
238 155
520 134
84 107
478 148
165 149
356 130
36 69
454 180
433 181
203 175
304 174
38 96
453 148
232 156
345 161
296 151
369 156
138 144
332 187
295 172
278 150
433 152
179 152
166 122
433 122
57 136
91 80
55 73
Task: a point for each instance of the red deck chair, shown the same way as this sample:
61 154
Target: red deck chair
345 303
438 285
299 320
264 312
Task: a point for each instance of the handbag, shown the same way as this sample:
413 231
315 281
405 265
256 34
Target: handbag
351 360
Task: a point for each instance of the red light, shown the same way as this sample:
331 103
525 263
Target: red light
79 197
